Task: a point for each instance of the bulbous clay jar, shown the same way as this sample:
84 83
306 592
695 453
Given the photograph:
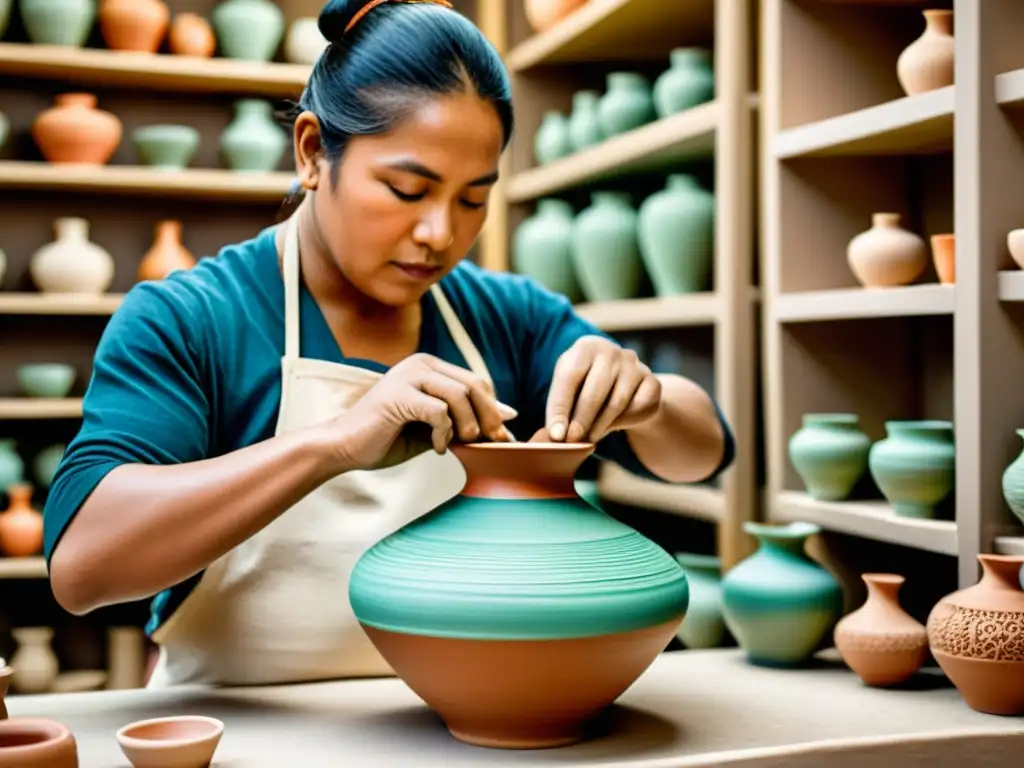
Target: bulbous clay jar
28 742
544 14
75 131
167 253
134 25
192 35
927 63
977 636
21 526
880 641
887 255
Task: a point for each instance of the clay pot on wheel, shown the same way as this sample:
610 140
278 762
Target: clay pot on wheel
516 610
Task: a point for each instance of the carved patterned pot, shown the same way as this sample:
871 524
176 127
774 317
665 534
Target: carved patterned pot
977 637
880 641
517 610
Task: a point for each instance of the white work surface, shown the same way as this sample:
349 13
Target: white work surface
691 708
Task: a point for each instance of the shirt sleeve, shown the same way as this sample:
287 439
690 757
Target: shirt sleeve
147 401
553 328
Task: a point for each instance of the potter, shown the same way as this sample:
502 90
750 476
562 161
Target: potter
256 423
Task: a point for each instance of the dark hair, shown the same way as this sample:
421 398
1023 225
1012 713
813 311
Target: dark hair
395 58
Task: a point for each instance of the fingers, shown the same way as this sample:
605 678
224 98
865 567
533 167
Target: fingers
456 396
626 388
570 371
600 380
432 411
489 415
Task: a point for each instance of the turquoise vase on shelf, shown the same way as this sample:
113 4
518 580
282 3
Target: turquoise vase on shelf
605 251
914 465
830 453
542 248
1013 483
704 625
552 142
778 603
585 121
479 602
65 23
627 103
253 141
250 30
676 232
12 467
688 82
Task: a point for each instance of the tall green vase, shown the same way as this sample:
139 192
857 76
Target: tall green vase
778 603
542 248
250 30
585 120
830 453
676 233
253 141
688 82
605 251
914 465
626 104
704 626
552 142
58 22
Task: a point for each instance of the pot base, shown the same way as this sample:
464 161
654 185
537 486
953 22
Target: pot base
992 687
521 694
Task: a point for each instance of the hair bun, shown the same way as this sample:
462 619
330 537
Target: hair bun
335 16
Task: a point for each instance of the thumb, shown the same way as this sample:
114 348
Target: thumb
570 371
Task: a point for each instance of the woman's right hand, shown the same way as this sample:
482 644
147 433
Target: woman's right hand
422 403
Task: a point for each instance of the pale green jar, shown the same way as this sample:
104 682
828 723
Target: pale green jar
551 142
605 252
542 248
627 103
253 141
58 22
830 453
688 82
12 467
250 30
676 232
914 466
585 122
1013 483
704 625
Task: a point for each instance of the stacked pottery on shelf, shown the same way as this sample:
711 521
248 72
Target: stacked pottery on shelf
830 454
605 249
542 248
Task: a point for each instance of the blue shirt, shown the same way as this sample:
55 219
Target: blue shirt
189 368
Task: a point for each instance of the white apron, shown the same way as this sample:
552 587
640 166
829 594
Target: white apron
275 609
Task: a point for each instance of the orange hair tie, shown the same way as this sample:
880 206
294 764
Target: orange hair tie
374 3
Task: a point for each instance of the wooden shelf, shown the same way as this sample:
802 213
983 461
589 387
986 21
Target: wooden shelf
129 69
904 301
1011 285
649 313
655 145
12 303
921 124
1010 88
40 408
604 30
23 568
700 502
869 520
196 183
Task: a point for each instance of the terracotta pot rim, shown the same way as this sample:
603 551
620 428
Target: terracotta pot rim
884 578
992 557
124 733
537 446
53 732
943 236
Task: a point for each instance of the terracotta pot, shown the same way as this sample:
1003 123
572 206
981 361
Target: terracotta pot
181 741
167 254
544 14
887 255
944 256
134 25
29 742
515 583
927 63
880 641
21 526
977 637
192 35
75 131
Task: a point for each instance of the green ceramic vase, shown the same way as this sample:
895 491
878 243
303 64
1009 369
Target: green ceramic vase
45 464
585 122
688 82
542 248
778 603
253 141
1013 483
676 234
627 103
830 453
551 142
605 251
704 626
58 22
914 466
166 147
250 30
12 468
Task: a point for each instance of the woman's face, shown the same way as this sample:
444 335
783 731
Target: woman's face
408 205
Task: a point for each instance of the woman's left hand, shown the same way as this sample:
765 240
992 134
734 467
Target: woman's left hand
598 387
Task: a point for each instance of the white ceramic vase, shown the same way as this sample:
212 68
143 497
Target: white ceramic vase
304 43
72 263
887 255
34 662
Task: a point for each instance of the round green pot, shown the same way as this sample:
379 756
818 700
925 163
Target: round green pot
551 142
58 22
12 468
676 234
166 147
542 248
830 453
1013 483
914 465
627 103
704 625
252 141
585 120
778 603
605 251
688 82
250 30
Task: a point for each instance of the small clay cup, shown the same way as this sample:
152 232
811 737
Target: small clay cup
944 256
185 741
29 742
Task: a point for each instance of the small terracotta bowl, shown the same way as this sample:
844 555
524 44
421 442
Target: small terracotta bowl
186 741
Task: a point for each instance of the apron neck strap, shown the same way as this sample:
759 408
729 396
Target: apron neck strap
458 333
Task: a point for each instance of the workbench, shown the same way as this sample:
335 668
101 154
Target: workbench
691 708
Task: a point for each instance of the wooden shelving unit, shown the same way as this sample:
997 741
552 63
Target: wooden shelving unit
842 142
639 34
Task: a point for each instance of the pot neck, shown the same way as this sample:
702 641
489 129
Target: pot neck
553 207
703 564
790 538
883 586
629 81
585 98
938 20
20 495
888 220
617 199
678 181
846 421
252 108
1002 572
688 57
71 228
932 431
168 231
521 470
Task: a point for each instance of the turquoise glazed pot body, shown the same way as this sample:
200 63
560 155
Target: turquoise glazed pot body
1013 484
914 466
676 233
627 103
605 252
551 142
687 83
585 121
542 248
704 626
250 30
166 147
778 603
477 604
58 22
253 141
830 453
12 468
